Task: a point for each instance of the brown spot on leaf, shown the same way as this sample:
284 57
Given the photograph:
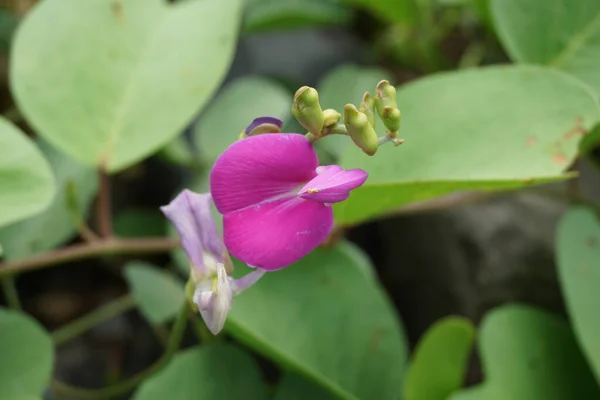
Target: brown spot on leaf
576 131
531 141
117 9
559 158
376 337
528 181
591 241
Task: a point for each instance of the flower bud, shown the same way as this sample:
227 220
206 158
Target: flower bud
360 130
387 108
332 117
307 110
367 106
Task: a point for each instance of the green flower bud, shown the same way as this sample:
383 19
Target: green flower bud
391 118
360 130
307 110
367 106
332 117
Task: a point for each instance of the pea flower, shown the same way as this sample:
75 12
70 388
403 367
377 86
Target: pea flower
209 261
275 198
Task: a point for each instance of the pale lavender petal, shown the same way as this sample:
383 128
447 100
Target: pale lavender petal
261 168
333 184
190 213
241 284
273 235
263 120
215 305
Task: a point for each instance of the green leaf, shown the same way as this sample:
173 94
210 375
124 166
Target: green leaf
26 181
490 128
234 109
578 257
178 152
210 372
440 360
590 141
269 15
346 84
158 293
57 224
295 387
563 34
327 320
130 76
140 222
528 354
27 356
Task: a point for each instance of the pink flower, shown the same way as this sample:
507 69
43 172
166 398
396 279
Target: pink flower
275 199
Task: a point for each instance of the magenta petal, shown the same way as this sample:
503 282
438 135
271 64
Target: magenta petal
190 213
261 168
274 235
333 184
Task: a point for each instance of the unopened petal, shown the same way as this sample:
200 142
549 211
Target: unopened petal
261 168
214 305
333 184
262 121
190 213
276 234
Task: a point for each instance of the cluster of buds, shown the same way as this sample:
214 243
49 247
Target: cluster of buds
358 122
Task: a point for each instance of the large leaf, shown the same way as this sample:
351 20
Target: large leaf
528 354
114 81
158 294
578 248
234 109
490 128
26 181
327 320
346 84
440 361
27 356
295 387
76 184
209 372
269 15
563 34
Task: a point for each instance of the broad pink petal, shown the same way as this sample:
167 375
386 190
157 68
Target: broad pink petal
261 168
333 184
276 234
190 213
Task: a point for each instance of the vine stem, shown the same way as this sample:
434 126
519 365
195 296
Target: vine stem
62 389
87 250
10 292
96 317
104 213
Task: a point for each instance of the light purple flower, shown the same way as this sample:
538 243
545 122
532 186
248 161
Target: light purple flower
209 260
275 199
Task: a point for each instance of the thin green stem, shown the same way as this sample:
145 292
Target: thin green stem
88 250
64 390
10 292
96 317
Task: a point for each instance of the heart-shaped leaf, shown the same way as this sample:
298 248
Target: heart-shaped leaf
528 354
27 356
439 363
490 128
26 181
130 75
76 184
578 255
328 320
208 372
563 34
158 293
